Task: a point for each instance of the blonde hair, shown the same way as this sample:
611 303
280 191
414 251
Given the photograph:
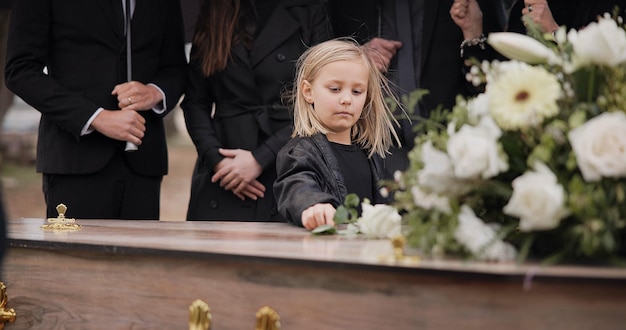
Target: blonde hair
374 130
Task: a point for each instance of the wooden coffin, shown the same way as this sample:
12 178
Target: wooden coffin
145 274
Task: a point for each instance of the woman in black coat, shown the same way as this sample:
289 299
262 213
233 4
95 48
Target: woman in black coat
243 57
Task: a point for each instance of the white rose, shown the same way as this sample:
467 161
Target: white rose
379 221
475 152
602 42
438 173
600 146
478 107
481 239
430 201
521 47
538 200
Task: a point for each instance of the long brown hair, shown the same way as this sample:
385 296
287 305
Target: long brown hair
221 25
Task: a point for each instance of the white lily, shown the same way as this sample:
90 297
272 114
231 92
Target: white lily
521 47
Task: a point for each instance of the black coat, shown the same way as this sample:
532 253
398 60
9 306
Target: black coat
82 45
309 174
248 109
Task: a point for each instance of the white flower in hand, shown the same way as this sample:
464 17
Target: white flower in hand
379 221
600 146
481 239
475 152
538 200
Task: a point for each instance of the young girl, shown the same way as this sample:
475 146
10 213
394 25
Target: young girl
342 130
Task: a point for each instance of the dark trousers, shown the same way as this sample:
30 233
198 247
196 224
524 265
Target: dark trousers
115 192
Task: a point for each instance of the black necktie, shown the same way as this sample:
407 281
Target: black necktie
406 67
127 31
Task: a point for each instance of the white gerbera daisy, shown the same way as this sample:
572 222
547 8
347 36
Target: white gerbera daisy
521 95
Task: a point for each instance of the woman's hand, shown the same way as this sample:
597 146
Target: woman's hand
540 13
468 16
238 172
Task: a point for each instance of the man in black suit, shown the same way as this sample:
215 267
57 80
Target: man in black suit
420 31
68 60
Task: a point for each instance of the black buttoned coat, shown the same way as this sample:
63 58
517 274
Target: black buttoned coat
240 107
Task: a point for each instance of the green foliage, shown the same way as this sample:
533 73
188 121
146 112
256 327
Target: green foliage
347 213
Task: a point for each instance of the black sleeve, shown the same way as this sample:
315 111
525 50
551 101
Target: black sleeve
301 181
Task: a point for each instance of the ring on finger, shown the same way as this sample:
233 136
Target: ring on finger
130 100
530 8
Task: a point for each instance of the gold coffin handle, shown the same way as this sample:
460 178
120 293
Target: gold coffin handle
199 315
61 223
267 319
5 315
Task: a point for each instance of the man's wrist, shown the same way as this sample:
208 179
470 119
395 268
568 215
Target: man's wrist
88 129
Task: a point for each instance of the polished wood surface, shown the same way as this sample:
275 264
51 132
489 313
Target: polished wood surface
145 274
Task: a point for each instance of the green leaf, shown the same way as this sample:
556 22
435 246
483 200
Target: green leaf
341 215
324 230
352 201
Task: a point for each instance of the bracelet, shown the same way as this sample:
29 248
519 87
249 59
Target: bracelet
480 41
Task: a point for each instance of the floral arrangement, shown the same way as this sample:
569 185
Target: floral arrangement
535 165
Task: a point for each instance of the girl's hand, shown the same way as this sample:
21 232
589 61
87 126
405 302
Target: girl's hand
317 215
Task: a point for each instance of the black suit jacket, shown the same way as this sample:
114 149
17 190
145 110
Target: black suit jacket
82 45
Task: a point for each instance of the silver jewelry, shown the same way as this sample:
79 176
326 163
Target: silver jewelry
480 42
530 8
